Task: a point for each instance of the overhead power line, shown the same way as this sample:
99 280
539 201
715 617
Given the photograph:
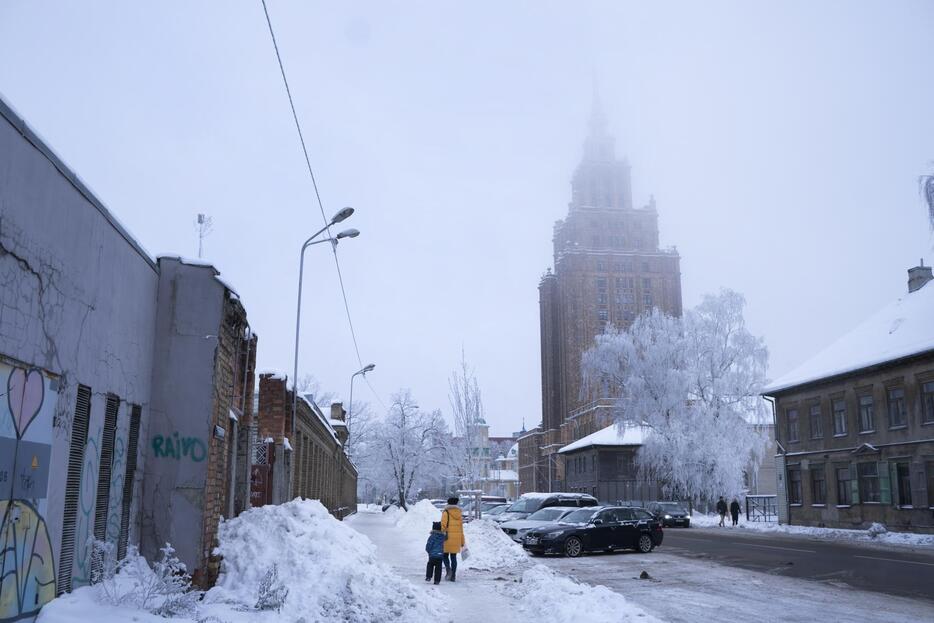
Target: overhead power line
314 183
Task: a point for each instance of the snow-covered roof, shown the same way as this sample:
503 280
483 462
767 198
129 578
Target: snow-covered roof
314 409
336 423
903 328
503 474
513 451
612 435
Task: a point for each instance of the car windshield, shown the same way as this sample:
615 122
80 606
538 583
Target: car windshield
497 510
487 506
547 514
526 505
670 506
581 516
638 513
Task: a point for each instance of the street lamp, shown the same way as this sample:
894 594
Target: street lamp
361 371
348 233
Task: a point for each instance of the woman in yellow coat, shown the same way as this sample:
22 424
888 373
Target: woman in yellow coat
452 525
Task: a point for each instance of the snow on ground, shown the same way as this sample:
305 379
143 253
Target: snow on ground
331 571
545 595
686 590
498 579
905 539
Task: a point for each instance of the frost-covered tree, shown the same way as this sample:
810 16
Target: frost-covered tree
464 455
694 384
404 444
926 187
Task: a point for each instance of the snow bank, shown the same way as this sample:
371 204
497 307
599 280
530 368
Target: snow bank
393 513
418 518
490 548
548 596
875 534
331 570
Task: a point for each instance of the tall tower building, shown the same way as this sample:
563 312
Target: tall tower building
608 269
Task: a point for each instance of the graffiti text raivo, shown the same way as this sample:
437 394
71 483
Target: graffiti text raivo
175 447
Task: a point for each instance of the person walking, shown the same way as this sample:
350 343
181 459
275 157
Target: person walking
452 525
721 509
734 511
435 549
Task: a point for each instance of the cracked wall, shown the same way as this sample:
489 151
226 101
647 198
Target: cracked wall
77 300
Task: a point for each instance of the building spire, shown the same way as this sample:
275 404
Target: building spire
599 143
597 124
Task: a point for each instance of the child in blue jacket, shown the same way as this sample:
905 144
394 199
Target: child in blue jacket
435 549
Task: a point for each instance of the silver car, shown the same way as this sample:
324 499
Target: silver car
517 528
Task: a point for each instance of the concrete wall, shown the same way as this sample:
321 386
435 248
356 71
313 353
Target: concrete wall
77 306
190 307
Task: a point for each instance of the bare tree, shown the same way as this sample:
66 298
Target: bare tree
406 444
308 385
467 411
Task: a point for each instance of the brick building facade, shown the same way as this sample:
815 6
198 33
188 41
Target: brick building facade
317 465
608 268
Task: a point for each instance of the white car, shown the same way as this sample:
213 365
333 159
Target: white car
517 528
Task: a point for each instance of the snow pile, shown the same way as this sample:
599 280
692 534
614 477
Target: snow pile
330 570
548 596
876 529
393 513
419 518
872 534
490 548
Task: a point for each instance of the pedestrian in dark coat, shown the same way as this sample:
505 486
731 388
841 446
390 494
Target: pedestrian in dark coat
721 509
435 549
734 511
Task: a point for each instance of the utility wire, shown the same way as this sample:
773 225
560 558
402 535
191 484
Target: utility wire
314 183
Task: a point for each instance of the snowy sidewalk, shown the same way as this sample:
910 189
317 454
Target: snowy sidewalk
473 597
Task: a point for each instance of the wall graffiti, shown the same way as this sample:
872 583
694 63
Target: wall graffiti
117 474
27 565
175 447
84 526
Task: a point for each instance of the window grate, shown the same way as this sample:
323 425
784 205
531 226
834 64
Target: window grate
128 481
79 439
103 476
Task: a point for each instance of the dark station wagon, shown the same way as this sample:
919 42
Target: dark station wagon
597 529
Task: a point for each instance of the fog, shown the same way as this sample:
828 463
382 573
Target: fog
782 143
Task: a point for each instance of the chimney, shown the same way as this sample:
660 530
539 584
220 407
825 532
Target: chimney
918 276
337 411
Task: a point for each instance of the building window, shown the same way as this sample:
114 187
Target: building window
927 403
646 284
794 485
839 417
866 417
896 403
645 265
903 475
595 240
603 315
818 485
868 482
601 297
817 427
843 486
929 470
601 267
601 283
792 416
647 301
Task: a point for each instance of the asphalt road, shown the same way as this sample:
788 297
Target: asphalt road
888 570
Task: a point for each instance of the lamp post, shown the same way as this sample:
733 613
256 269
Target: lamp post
362 371
349 233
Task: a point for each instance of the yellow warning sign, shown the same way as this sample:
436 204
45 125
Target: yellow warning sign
35 462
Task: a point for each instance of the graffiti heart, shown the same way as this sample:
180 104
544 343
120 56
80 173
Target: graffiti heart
25 393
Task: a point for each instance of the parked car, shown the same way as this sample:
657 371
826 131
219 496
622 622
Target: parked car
528 503
517 528
438 503
602 528
671 514
496 510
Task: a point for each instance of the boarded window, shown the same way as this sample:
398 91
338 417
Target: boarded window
128 480
79 439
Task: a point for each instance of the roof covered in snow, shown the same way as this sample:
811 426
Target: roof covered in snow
903 328
503 474
612 435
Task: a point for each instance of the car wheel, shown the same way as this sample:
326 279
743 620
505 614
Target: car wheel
645 544
573 547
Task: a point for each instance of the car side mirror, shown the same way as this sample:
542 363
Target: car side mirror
597 522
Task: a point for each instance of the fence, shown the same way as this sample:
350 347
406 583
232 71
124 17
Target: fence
762 508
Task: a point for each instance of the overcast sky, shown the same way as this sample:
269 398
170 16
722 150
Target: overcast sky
782 141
